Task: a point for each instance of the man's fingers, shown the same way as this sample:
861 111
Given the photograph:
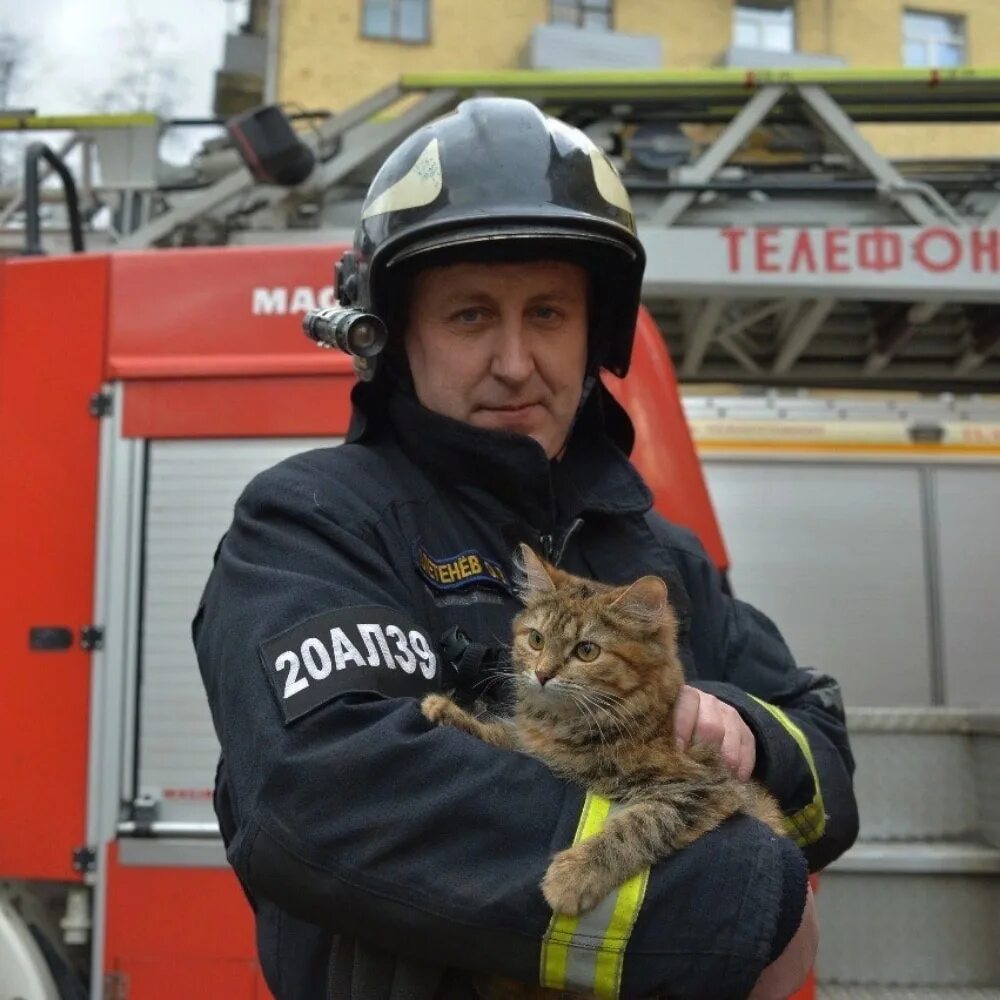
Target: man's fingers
686 715
731 746
711 727
703 718
748 753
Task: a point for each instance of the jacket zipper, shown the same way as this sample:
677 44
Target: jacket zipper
552 550
545 542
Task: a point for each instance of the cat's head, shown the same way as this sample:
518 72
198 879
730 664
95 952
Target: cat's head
585 644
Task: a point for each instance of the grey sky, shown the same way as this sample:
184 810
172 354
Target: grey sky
74 50
74 54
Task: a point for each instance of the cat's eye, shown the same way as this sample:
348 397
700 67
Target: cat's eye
587 651
535 639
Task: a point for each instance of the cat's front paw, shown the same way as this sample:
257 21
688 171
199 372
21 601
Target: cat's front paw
573 884
437 708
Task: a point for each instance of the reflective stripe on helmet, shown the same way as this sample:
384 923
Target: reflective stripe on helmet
419 187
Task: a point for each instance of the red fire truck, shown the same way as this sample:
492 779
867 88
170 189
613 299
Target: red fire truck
138 393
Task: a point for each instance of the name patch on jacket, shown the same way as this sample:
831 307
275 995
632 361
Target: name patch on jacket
350 649
460 570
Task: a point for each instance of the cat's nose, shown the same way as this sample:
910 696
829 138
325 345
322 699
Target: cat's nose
542 678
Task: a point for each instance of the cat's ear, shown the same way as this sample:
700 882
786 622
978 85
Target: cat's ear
645 599
531 578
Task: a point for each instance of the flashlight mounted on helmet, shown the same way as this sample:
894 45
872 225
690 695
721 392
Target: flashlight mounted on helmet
354 331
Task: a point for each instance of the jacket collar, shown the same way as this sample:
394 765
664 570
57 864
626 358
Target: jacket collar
510 473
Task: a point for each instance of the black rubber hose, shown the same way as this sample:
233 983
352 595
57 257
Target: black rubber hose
32 185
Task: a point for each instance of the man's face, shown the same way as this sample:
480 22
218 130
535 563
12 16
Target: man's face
501 346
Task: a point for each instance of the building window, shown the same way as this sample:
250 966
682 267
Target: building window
594 14
936 40
770 27
396 20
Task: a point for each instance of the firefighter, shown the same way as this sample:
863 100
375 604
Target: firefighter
386 858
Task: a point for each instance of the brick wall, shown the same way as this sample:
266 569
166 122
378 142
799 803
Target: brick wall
324 61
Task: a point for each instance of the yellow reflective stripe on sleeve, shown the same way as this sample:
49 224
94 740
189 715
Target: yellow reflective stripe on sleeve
808 824
610 961
559 937
586 953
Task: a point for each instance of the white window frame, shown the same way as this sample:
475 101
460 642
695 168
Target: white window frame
581 9
958 37
395 29
760 16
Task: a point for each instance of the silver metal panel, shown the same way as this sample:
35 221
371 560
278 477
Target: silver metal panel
927 774
967 501
174 829
564 46
939 719
932 568
915 785
906 993
192 486
897 929
168 852
702 260
922 857
116 589
834 554
986 767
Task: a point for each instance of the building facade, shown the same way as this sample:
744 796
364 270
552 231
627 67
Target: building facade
332 53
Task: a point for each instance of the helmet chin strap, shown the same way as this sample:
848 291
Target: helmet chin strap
590 380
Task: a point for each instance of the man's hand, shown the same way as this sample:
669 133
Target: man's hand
701 718
788 971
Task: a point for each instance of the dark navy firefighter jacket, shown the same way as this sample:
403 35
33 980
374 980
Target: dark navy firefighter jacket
387 859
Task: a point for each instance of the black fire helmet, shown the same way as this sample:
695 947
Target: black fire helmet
497 180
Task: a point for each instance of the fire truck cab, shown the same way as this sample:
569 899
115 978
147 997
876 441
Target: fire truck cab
131 416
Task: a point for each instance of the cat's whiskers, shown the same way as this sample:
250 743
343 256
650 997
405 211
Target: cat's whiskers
483 687
622 723
579 698
587 699
615 708
503 672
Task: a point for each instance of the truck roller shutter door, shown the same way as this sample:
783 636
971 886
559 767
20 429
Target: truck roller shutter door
191 489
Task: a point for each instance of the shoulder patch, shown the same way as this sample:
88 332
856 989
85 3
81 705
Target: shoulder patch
460 570
350 649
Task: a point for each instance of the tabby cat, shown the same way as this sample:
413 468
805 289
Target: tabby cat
597 674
